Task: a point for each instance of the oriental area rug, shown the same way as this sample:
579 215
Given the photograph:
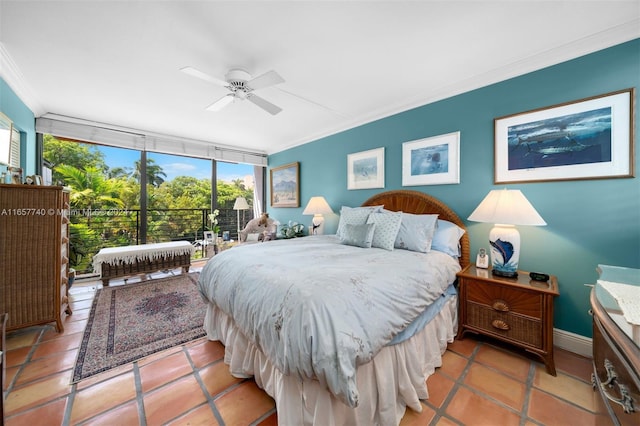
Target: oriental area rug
132 321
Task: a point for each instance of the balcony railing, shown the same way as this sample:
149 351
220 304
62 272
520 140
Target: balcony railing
92 230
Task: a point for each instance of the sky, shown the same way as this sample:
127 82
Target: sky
174 165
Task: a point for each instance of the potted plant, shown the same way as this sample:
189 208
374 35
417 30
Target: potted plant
215 228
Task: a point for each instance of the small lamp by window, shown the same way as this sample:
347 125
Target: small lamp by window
506 208
317 206
240 204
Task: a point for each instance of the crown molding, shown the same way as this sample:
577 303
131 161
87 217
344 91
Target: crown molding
11 74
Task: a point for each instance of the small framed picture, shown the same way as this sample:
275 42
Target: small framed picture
285 185
208 236
366 169
16 174
431 161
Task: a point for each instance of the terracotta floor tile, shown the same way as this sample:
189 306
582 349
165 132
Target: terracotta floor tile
104 376
202 415
164 370
17 356
472 409
37 393
69 328
490 382
551 411
244 404
173 400
206 352
464 347
102 397
62 344
453 364
125 414
43 367
412 418
78 315
271 420
439 387
53 412
573 364
508 362
568 388
217 378
81 304
10 374
444 421
22 338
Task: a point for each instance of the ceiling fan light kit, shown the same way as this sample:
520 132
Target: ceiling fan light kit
241 86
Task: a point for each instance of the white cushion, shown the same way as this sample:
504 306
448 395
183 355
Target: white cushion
416 232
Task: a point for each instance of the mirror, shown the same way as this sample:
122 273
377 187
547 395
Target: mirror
5 139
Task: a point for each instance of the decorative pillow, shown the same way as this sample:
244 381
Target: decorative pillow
416 232
447 238
358 235
387 226
354 216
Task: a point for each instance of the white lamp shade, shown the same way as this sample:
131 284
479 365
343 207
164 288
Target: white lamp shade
317 205
241 204
506 208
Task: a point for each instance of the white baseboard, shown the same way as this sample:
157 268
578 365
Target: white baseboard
573 342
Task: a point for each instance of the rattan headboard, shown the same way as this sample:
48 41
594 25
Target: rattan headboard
420 203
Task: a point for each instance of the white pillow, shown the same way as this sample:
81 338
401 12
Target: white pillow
447 238
354 216
416 232
253 237
387 225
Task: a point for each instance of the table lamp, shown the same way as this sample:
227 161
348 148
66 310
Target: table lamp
240 204
506 208
317 206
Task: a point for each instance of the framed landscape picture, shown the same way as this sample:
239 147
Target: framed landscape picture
431 161
285 185
586 139
366 169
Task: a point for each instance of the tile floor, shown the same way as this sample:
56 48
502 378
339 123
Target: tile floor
480 383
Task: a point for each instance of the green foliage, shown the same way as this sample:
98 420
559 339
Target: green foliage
58 152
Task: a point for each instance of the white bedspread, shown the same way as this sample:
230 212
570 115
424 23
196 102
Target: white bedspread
318 309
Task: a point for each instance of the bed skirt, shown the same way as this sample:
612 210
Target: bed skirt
393 380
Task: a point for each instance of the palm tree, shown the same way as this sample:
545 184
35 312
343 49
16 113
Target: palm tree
155 174
90 189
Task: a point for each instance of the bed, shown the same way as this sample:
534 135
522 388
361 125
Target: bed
330 342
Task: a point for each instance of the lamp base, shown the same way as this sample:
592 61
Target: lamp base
505 250
317 225
504 274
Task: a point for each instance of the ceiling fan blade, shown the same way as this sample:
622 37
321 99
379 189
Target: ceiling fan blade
267 79
314 103
264 104
221 103
206 77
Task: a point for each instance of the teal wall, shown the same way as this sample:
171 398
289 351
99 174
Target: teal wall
23 120
590 222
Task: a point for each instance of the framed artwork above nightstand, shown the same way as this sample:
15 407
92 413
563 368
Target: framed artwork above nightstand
516 310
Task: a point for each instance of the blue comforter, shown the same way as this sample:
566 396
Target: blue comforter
317 308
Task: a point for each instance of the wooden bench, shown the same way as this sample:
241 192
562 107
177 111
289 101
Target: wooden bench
117 262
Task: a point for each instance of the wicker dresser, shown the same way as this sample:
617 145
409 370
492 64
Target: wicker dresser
34 247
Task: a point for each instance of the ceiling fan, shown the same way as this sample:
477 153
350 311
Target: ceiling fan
241 86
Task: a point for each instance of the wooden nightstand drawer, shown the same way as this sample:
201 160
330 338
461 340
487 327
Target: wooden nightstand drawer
510 325
506 299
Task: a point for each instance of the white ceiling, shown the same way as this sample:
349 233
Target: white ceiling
118 62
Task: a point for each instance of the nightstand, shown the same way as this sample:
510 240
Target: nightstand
516 310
